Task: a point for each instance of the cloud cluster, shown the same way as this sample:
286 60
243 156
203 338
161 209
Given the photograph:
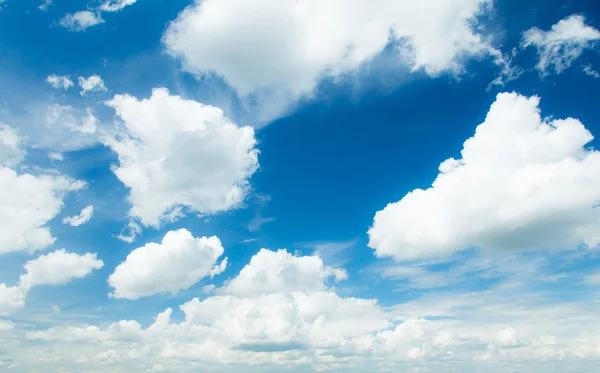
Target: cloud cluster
563 44
522 183
280 50
178 153
56 268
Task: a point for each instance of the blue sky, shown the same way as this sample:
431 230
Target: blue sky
235 186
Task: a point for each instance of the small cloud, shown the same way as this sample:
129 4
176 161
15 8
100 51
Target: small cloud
130 232
55 156
57 81
44 6
248 240
115 5
93 83
81 20
83 217
590 71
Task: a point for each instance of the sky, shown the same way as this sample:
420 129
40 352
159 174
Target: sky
302 186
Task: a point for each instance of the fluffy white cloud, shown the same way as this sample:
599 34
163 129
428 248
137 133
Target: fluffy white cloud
280 271
11 152
177 152
27 204
57 268
522 183
84 216
57 81
56 156
93 83
284 48
563 44
81 20
115 5
175 264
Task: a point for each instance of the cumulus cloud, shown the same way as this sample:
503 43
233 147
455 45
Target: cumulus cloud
57 268
84 216
67 117
178 153
130 232
81 20
11 152
115 5
175 264
563 44
27 204
279 271
93 83
57 82
522 183
282 49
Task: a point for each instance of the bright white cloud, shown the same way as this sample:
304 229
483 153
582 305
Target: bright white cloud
177 152
84 216
27 204
280 271
563 44
56 156
175 264
57 268
284 48
57 82
115 5
522 183
130 232
81 20
93 83
11 152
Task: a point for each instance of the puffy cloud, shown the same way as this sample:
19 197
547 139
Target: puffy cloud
130 232
84 216
81 20
11 153
57 81
56 156
522 183
175 264
279 271
177 152
27 204
563 44
284 48
57 268
67 117
93 83
115 5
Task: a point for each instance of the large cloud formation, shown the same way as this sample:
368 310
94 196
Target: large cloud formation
285 47
522 183
177 152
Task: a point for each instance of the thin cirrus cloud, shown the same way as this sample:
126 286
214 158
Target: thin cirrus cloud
522 183
295 44
559 47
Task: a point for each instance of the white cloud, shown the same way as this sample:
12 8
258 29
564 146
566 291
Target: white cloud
81 20
44 6
11 152
56 156
57 268
590 71
177 152
175 264
282 49
522 183
563 44
84 216
130 232
280 271
67 117
6 325
593 279
93 83
27 204
115 5
57 81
